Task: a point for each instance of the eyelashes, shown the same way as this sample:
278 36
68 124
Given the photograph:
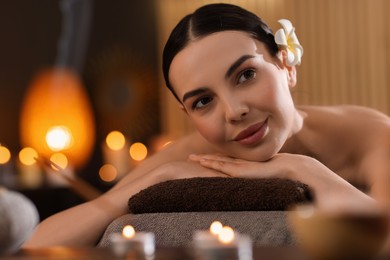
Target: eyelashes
243 77
201 102
246 75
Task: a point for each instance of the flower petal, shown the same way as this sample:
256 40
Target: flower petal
292 38
280 38
287 26
287 39
290 61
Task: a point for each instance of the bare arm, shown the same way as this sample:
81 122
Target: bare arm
331 192
84 224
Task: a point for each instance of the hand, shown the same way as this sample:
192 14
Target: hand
280 166
183 170
331 192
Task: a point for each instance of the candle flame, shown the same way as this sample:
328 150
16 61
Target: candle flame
226 235
216 227
128 231
58 138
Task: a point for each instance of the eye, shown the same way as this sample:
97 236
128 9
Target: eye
201 102
246 75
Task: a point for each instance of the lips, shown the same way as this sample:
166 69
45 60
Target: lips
252 134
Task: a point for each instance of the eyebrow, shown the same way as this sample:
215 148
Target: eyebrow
237 64
229 72
194 92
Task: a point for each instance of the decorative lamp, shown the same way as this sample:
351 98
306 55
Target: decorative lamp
56 114
57 117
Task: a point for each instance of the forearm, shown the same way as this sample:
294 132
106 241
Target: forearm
84 224
78 226
174 152
331 192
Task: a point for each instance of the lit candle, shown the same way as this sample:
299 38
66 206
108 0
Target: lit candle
30 173
115 153
138 244
222 242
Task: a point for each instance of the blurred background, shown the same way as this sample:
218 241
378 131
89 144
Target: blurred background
81 85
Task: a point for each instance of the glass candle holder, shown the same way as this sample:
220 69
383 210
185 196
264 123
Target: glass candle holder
141 245
225 244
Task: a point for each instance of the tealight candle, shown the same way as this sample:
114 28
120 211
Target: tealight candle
222 242
139 244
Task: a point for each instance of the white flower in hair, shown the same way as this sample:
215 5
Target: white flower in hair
287 39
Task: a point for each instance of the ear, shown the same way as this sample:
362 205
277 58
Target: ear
292 76
291 70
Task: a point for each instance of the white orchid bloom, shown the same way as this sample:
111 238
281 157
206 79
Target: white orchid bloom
287 39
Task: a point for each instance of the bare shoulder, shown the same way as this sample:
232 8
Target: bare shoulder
180 148
350 114
352 125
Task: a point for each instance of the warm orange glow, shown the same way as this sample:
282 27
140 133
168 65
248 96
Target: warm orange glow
159 142
5 155
128 231
138 151
60 159
108 173
27 156
57 116
115 140
58 138
226 235
216 227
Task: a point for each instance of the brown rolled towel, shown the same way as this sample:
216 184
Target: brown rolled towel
219 194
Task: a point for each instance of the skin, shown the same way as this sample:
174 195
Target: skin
327 148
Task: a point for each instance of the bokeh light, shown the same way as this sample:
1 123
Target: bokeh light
108 173
27 156
115 140
128 231
138 151
226 235
5 155
58 138
60 159
216 227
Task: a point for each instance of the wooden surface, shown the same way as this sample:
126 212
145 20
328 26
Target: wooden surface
259 253
263 253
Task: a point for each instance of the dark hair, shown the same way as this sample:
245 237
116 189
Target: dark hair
213 18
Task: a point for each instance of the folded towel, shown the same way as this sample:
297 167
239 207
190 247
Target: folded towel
219 194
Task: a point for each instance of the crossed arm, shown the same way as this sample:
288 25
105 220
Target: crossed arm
84 224
331 192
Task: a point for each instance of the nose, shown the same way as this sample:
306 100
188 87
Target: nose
235 110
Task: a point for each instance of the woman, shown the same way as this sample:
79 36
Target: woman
233 79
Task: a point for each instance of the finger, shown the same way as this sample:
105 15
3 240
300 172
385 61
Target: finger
195 157
220 165
215 157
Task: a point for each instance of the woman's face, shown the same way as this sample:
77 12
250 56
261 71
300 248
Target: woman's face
236 94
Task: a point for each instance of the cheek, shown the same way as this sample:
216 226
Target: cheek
276 94
210 129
